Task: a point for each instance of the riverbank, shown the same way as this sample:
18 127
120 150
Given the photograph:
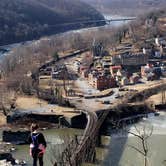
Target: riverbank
57 139
121 153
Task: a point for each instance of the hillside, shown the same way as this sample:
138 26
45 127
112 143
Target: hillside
126 7
22 20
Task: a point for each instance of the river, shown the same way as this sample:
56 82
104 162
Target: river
7 49
120 152
56 139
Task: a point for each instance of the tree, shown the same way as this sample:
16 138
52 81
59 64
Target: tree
142 132
62 155
56 56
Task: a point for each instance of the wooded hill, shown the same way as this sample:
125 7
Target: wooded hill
22 20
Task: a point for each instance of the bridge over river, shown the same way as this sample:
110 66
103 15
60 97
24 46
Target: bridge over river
85 149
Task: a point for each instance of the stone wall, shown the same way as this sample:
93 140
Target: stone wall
34 117
15 137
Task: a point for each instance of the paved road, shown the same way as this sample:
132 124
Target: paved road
87 89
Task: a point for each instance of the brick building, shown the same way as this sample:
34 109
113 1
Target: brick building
101 82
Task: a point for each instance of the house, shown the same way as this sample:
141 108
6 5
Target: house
106 64
163 70
56 75
85 73
125 81
116 60
47 71
115 70
146 69
150 76
160 41
77 65
151 72
84 70
157 72
135 78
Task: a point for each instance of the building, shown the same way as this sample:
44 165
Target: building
47 71
84 70
135 78
151 72
115 70
125 81
145 70
101 81
130 59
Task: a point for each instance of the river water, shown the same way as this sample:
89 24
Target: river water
117 152
56 140
7 49
120 152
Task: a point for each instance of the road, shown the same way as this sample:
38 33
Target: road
94 104
82 84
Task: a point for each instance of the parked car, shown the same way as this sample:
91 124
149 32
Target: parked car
106 102
117 96
89 92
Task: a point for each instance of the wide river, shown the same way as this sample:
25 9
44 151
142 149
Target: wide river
120 152
5 50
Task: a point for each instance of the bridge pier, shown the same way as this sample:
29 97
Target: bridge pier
98 140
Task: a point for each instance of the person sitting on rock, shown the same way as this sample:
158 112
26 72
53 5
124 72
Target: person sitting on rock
37 144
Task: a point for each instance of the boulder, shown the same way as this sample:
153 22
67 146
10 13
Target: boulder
15 137
7 157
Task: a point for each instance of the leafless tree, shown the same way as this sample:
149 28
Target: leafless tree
61 155
143 133
140 131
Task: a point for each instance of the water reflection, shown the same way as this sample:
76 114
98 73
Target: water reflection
121 154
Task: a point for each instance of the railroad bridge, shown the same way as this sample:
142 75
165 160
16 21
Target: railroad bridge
84 149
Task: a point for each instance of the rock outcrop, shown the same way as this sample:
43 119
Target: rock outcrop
15 137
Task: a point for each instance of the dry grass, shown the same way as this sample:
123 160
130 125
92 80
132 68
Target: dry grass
24 102
146 85
2 119
32 103
156 99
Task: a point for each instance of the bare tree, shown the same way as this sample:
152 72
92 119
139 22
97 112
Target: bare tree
61 155
143 133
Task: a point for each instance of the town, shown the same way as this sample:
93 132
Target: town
88 86
118 67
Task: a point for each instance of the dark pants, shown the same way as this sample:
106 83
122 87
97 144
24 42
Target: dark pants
36 156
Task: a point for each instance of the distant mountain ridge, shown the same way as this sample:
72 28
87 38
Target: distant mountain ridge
128 7
28 19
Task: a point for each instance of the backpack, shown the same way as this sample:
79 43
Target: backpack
35 141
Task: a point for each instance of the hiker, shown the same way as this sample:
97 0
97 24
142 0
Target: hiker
37 144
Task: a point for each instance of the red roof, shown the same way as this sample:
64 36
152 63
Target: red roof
116 67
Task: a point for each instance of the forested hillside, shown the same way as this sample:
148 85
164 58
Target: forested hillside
22 20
